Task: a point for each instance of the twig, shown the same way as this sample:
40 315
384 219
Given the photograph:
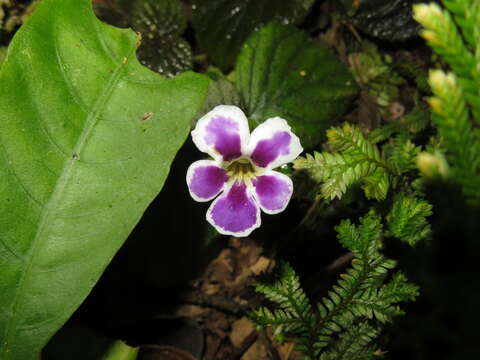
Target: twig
340 262
246 344
216 302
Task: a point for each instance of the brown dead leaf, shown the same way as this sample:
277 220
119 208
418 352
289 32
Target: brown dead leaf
257 351
263 264
241 328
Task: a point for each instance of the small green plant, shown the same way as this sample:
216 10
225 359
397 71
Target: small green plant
367 296
456 100
355 158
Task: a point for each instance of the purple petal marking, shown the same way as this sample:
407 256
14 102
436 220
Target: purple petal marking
268 150
272 192
223 134
236 212
207 181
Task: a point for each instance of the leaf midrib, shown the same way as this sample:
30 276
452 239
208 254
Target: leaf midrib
63 180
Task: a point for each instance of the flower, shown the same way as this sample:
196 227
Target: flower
240 173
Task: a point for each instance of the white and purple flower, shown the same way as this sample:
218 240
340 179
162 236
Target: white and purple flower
240 173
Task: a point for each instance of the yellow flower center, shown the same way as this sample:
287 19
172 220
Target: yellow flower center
241 169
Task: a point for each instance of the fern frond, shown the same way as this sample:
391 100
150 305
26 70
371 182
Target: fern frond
381 303
341 327
294 310
442 35
461 139
349 138
354 344
401 155
363 240
356 160
411 69
466 15
412 123
417 119
407 220
382 133
376 184
358 293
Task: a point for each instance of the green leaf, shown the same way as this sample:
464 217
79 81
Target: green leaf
223 25
76 343
220 92
407 220
357 159
281 72
401 154
3 53
354 343
86 140
362 240
161 23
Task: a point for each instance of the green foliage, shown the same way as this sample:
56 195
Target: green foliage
350 316
407 219
443 36
355 159
222 26
375 73
410 124
456 95
354 343
467 16
161 23
410 69
389 20
417 119
401 154
3 53
87 139
461 140
293 313
80 344
221 91
281 72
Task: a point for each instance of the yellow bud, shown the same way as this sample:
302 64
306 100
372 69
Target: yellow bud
436 104
420 12
332 133
427 14
437 80
430 36
432 165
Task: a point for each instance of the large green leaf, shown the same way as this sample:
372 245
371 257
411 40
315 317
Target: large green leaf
281 72
77 343
223 25
87 136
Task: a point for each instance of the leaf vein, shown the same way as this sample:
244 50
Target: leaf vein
92 119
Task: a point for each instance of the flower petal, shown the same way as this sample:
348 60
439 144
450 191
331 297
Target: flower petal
205 180
273 144
273 191
235 212
222 133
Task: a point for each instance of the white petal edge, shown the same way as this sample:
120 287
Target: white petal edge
190 173
244 233
266 130
230 111
283 177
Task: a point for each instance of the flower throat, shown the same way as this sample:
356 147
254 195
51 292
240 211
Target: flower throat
241 169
